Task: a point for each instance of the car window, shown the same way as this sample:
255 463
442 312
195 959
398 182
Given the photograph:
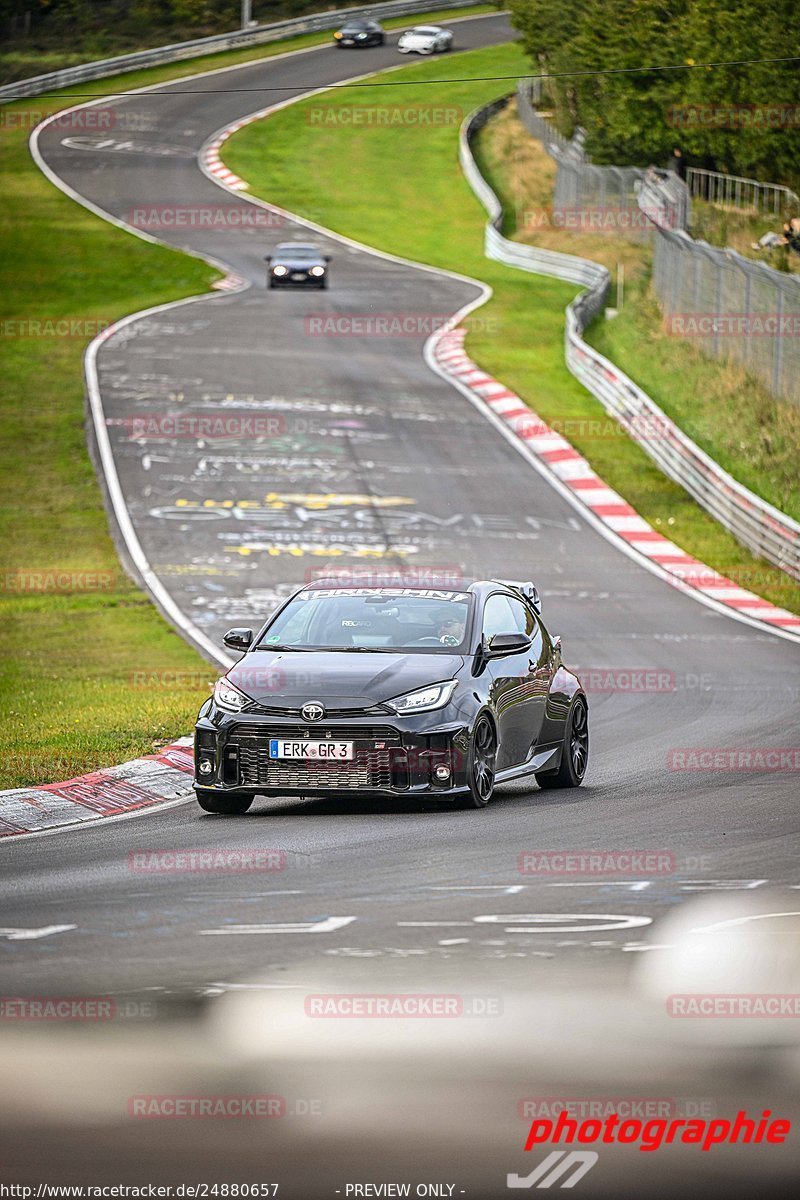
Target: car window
524 620
504 614
498 616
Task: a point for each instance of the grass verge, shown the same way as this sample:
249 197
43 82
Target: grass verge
70 659
430 214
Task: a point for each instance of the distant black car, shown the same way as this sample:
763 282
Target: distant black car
297 264
393 691
360 33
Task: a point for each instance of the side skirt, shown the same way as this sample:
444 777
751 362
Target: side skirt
545 760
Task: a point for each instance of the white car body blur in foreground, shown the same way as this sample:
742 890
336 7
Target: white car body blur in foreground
425 39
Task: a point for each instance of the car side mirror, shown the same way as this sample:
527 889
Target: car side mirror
327 257
508 643
238 639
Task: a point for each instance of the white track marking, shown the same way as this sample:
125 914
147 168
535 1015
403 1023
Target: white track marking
555 922
329 925
33 935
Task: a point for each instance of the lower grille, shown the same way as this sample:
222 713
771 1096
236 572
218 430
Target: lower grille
369 770
314 733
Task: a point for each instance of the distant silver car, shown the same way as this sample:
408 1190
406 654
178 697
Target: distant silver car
425 39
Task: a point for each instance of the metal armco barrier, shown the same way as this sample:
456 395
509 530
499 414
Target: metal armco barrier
313 23
765 530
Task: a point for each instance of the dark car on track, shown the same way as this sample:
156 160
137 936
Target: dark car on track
297 264
360 33
438 693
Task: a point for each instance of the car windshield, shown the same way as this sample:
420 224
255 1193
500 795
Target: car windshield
389 620
355 28
426 29
297 252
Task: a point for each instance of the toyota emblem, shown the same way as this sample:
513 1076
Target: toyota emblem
312 711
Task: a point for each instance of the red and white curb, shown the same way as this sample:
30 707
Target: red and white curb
214 164
575 473
143 783
231 283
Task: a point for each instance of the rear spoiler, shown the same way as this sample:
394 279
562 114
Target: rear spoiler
528 590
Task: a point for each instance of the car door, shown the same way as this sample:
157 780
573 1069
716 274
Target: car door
515 687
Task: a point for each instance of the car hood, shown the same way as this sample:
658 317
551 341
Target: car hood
286 679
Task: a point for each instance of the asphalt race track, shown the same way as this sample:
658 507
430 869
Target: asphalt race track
375 458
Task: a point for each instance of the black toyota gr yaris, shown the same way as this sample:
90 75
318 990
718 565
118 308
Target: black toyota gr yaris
438 693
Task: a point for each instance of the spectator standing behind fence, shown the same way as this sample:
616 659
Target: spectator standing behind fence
678 164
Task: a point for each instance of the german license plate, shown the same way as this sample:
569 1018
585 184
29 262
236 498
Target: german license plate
298 275
328 751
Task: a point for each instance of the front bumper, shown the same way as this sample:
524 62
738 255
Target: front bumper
392 757
302 280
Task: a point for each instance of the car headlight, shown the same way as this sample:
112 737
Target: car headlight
317 271
229 697
279 270
337 35
424 700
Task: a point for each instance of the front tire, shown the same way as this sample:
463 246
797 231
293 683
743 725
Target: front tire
481 765
215 802
575 753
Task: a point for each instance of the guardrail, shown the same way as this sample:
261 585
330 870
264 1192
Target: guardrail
262 34
735 191
765 530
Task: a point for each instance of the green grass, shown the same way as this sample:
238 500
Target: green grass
740 229
430 214
67 660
